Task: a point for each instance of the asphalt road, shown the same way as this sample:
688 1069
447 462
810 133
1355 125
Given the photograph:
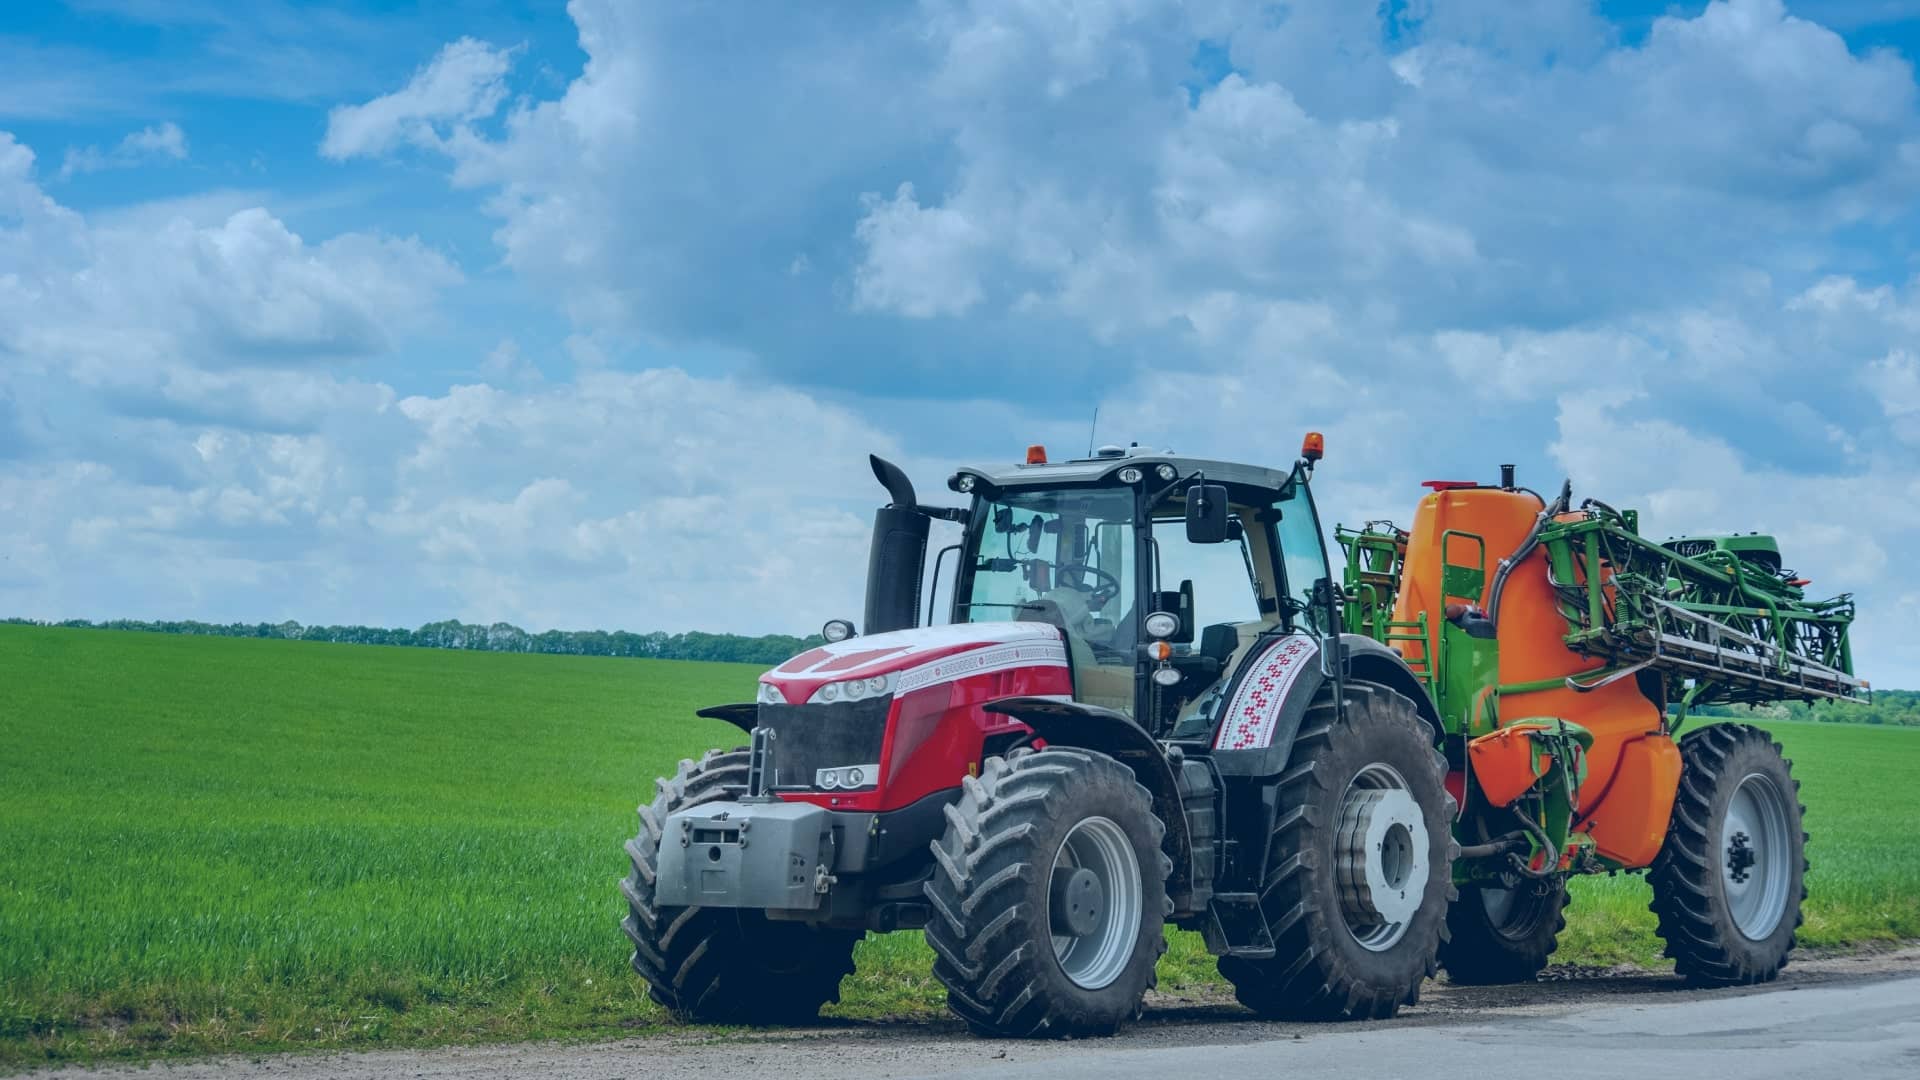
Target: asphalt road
1855 1019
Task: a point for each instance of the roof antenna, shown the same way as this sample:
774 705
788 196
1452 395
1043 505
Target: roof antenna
1093 430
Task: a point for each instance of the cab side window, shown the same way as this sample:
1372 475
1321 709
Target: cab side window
1223 589
1304 559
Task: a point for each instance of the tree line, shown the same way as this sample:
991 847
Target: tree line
497 637
1895 708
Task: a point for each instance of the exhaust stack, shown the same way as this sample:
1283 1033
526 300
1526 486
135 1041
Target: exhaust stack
898 556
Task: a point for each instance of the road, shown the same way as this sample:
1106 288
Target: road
1856 1018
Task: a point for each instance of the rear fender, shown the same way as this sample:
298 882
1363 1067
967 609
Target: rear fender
1091 727
1265 703
1278 681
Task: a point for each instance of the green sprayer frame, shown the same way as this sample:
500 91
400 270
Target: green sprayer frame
1721 628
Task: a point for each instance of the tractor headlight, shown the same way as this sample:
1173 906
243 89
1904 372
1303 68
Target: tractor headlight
836 631
846 777
1162 624
1166 472
770 695
1130 475
853 690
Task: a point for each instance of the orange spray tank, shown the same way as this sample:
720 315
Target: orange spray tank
1460 536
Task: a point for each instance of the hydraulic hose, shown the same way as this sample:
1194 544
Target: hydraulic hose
1497 846
1540 836
1507 565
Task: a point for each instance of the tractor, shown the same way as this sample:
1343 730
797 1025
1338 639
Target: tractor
1152 701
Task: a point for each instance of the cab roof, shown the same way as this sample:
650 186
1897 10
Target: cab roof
1111 459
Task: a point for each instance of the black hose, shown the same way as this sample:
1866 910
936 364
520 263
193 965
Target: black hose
1497 846
1540 835
1507 565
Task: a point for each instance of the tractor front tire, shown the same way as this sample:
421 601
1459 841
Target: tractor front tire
1503 935
1359 865
1729 881
1048 895
723 965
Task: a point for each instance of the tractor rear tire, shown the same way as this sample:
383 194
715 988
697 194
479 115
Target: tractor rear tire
1729 881
1343 951
723 965
1049 894
1503 935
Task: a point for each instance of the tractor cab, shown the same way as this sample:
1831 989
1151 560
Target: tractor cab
1160 571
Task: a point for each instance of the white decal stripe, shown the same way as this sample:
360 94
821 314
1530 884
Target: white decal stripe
901 645
980 662
1256 704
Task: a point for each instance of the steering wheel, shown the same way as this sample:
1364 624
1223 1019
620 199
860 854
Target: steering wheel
1104 587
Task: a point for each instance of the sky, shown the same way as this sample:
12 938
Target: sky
588 317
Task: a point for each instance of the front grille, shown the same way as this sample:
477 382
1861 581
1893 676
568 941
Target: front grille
808 738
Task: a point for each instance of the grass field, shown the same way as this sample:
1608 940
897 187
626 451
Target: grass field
225 844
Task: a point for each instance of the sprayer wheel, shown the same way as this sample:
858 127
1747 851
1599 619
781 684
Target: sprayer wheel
1728 883
1504 933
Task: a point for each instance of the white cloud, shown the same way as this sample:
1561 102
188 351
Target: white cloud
653 499
164 140
160 142
920 261
178 315
1489 235
1895 380
464 83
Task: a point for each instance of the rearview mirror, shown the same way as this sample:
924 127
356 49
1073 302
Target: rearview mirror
1206 514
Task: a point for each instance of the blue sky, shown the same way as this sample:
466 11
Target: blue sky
388 312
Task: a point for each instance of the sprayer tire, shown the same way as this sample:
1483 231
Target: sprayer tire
1320 969
723 965
1490 944
1699 891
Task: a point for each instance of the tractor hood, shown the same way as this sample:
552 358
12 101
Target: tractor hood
921 657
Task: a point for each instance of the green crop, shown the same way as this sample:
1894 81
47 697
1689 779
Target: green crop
228 844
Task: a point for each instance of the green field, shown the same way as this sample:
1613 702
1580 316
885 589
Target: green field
227 844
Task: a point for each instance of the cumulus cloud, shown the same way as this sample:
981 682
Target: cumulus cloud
651 499
1018 165
919 261
1671 263
1895 380
464 83
179 315
160 142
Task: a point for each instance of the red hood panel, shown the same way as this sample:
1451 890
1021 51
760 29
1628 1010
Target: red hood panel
924 656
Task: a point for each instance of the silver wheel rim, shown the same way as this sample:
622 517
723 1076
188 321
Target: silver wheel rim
1755 869
1380 857
1096 958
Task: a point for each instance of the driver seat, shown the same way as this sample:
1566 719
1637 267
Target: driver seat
1109 686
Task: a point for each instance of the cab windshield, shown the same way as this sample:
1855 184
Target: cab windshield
1066 556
